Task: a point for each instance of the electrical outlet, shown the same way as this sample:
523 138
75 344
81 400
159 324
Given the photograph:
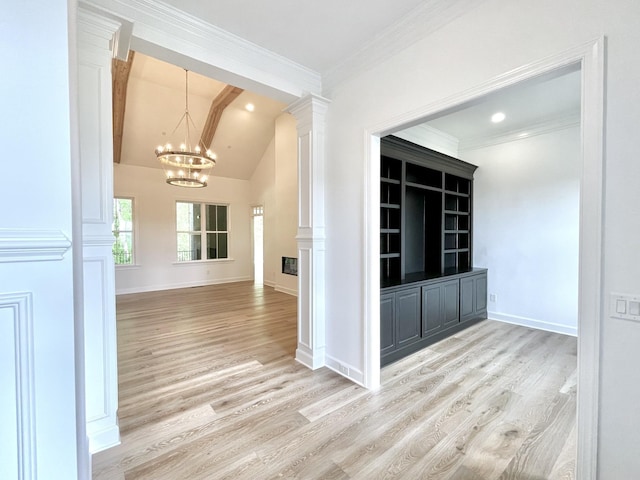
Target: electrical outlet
493 298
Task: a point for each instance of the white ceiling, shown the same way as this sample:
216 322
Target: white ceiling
551 100
316 34
320 36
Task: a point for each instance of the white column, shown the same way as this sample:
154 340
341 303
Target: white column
97 35
310 114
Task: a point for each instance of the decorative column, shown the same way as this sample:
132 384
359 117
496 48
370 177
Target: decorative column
98 37
310 112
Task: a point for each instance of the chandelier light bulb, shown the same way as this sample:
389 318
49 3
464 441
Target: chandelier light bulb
183 147
167 146
197 148
181 173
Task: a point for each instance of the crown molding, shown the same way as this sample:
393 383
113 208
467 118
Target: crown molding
26 245
548 126
422 21
156 23
432 138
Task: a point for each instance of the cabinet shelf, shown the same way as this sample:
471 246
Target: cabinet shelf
458 194
456 250
455 212
392 181
389 230
389 255
423 187
456 231
390 205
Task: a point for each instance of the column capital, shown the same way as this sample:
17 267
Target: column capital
103 31
309 111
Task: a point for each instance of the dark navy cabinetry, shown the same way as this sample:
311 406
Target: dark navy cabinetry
429 288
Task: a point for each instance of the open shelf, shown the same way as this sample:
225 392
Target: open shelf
425 210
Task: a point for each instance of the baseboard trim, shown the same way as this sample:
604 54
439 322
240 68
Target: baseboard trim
533 323
104 439
288 291
173 286
344 369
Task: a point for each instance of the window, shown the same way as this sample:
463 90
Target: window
196 236
122 228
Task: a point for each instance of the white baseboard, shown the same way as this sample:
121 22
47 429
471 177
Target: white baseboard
344 369
269 283
173 286
103 439
289 291
532 323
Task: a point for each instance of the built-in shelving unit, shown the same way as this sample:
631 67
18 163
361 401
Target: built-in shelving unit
425 248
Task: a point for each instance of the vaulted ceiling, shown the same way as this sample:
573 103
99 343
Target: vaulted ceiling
155 102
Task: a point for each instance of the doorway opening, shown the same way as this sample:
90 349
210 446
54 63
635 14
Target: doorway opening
258 244
590 58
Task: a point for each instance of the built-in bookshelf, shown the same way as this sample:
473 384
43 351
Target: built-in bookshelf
429 288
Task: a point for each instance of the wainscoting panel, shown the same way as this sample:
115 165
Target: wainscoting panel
17 402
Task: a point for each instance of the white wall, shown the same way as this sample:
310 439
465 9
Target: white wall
526 228
497 37
155 236
273 184
38 436
286 196
262 184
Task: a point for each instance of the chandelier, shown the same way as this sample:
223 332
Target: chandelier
186 166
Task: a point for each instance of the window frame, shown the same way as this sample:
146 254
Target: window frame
203 232
133 255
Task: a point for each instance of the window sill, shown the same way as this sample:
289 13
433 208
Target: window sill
128 266
201 262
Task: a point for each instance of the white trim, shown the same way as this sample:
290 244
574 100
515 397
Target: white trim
98 240
209 50
27 245
21 304
533 323
591 56
549 126
288 291
346 370
428 17
432 138
191 263
174 286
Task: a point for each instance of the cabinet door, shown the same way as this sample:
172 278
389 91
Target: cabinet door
467 299
481 295
387 323
473 297
407 316
451 302
431 309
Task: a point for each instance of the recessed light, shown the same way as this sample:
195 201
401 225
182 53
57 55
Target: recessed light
498 117
250 107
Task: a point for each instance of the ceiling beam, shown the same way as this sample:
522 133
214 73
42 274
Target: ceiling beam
119 79
222 101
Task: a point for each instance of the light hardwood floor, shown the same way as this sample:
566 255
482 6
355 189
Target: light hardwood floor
209 389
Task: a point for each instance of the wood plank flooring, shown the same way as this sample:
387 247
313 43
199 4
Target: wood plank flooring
209 389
